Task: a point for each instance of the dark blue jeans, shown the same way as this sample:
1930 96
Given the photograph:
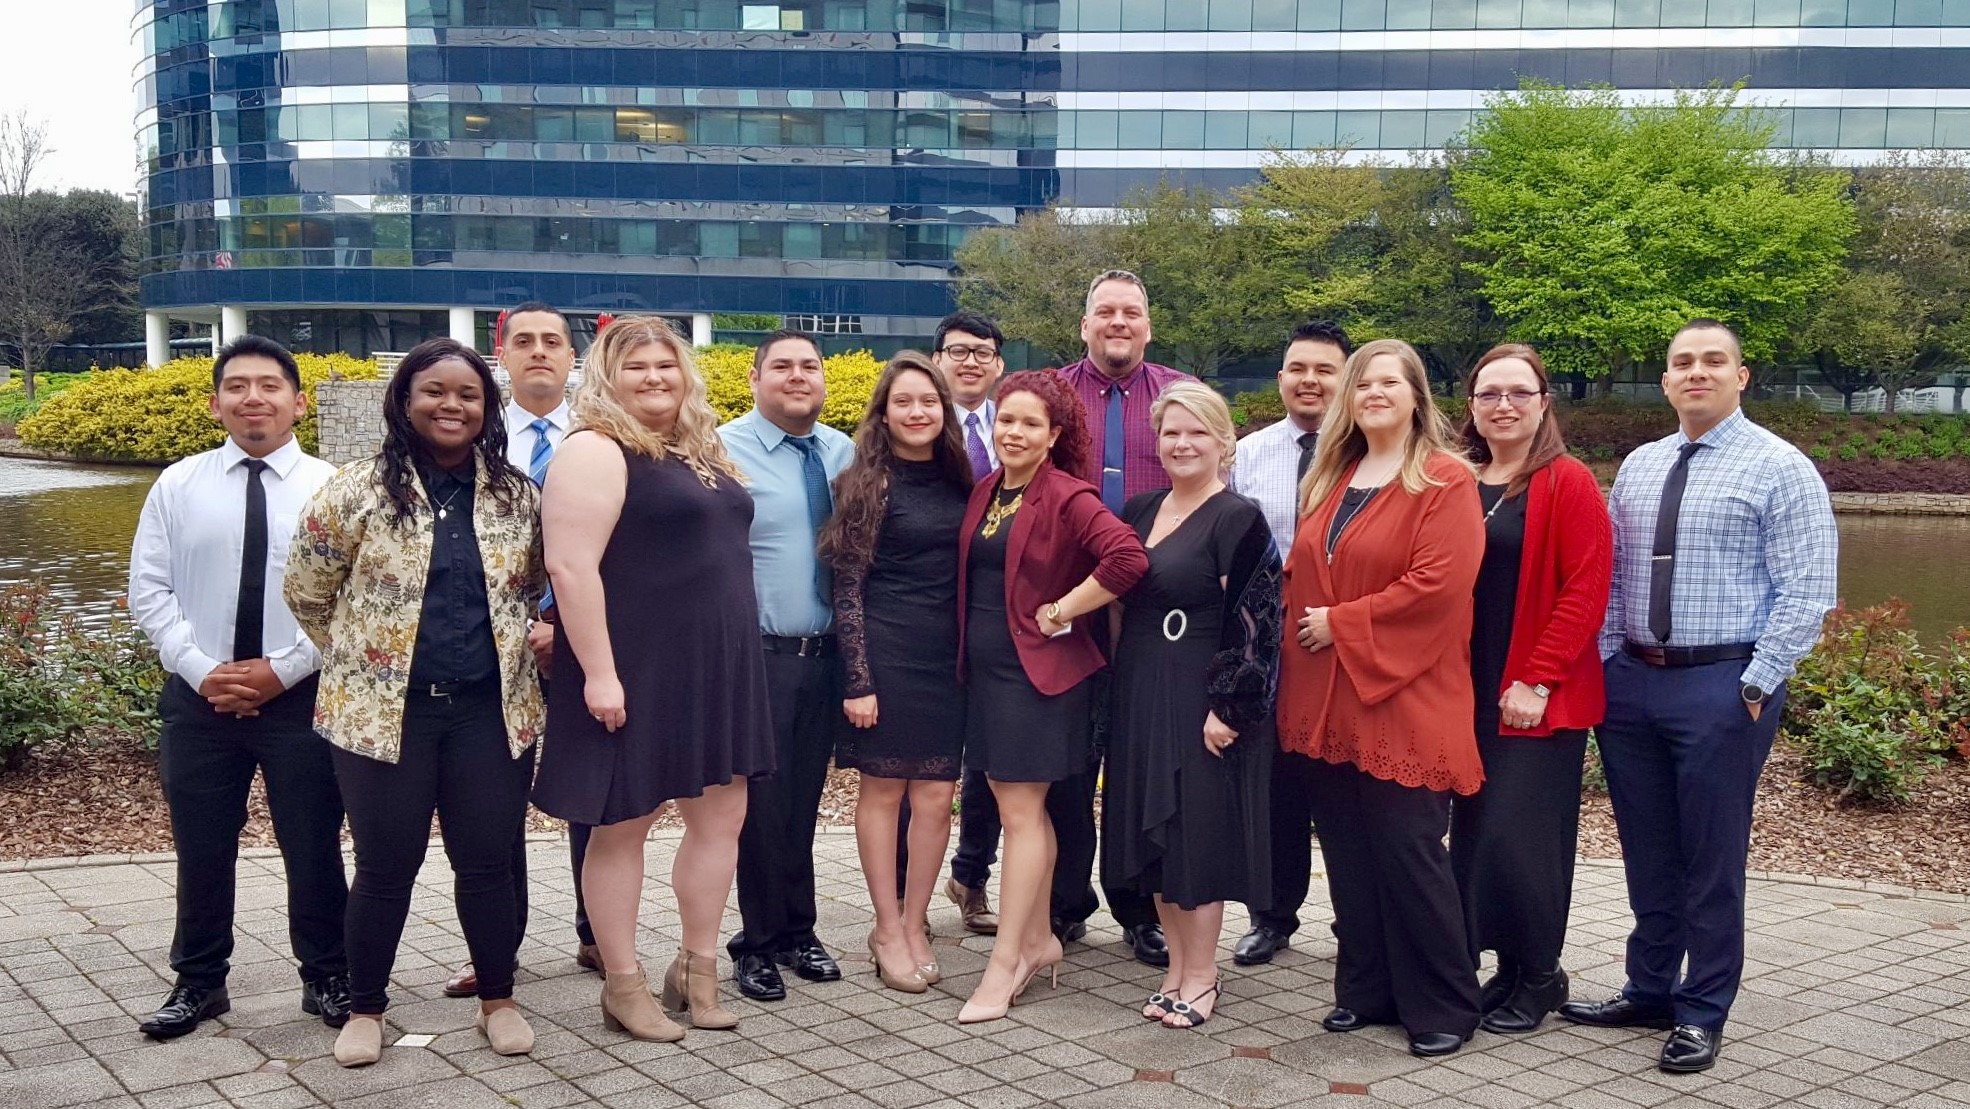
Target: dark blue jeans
1683 756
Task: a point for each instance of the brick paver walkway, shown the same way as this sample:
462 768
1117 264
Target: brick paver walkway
1855 997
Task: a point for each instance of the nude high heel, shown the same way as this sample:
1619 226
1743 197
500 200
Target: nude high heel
628 1007
913 982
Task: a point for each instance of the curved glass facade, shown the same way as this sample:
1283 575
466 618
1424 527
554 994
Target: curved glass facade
822 159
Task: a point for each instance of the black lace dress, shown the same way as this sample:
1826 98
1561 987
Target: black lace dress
897 621
1200 633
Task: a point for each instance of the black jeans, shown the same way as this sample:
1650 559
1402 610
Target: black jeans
776 846
207 760
455 763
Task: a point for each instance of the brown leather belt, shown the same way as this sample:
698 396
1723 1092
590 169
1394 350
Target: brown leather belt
1676 657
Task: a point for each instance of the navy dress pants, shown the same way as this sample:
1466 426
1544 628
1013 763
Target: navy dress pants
1683 756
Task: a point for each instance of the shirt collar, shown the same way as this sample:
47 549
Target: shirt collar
1127 383
770 434
1293 423
1727 429
282 461
518 418
986 408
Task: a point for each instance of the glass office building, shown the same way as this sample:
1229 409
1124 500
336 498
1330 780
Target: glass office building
360 174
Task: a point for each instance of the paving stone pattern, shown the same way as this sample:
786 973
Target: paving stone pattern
1855 997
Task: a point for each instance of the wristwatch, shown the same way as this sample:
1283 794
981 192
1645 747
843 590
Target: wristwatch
1541 691
1752 694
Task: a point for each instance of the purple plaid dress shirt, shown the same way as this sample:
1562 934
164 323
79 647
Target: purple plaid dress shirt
1141 470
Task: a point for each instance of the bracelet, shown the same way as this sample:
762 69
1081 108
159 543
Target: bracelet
1052 612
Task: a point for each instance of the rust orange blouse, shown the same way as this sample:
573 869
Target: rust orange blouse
1393 694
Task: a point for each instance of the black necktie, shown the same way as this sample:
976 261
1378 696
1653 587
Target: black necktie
1307 442
1662 567
252 568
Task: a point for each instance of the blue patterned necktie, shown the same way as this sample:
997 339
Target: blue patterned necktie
820 504
1111 453
543 453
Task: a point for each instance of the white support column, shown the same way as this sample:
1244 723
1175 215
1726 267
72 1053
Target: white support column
157 338
465 326
701 329
232 322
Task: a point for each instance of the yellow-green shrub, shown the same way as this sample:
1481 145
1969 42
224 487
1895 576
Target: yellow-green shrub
158 415
851 378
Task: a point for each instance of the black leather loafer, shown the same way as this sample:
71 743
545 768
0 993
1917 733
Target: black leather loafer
1690 1049
1147 941
184 1009
1617 1012
327 999
758 978
811 961
1347 1020
1432 1044
1259 946
1069 931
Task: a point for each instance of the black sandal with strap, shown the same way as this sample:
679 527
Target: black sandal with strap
1181 1008
1161 1001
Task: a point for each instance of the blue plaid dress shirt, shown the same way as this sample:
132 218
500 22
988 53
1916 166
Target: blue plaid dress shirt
1757 552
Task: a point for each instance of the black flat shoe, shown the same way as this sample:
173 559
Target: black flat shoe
758 978
1069 931
1526 1008
811 961
1617 1012
1347 1020
1259 946
1146 940
1690 1049
328 999
1432 1044
184 1009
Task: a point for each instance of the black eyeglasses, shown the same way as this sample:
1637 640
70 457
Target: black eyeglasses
1518 398
969 354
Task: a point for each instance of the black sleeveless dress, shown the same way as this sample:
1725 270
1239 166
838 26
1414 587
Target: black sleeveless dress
684 625
897 622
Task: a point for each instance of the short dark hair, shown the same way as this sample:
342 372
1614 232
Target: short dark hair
781 335
1323 331
256 345
499 331
1705 323
971 323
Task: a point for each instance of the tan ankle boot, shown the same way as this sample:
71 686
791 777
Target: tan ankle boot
691 985
628 1007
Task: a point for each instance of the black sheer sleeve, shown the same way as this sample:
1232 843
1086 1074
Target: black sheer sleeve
852 632
1244 673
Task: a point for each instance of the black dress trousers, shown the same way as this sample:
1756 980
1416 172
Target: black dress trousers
1292 842
207 761
776 846
1070 804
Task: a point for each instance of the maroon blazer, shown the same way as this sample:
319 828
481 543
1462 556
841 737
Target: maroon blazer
1565 569
1061 534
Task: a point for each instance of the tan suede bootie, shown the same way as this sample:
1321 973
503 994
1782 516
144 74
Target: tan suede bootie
691 985
628 1007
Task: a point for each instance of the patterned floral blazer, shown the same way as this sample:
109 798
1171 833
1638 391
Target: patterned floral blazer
355 582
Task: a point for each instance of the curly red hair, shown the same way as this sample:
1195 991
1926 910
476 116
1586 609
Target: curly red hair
1070 451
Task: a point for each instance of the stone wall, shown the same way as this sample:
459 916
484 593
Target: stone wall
349 419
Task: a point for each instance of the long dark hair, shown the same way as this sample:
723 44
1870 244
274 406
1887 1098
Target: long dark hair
1547 443
848 541
1070 451
396 463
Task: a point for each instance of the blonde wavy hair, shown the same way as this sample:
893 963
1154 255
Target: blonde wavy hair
1342 443
693 439
1203 402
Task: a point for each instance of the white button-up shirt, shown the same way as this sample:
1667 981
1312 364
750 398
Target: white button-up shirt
520 434
184 564
1268 471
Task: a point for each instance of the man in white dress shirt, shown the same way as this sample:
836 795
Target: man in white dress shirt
1270 463
205 574
535 346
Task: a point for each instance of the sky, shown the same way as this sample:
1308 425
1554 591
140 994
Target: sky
70 63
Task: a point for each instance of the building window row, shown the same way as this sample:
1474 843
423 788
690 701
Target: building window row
600 129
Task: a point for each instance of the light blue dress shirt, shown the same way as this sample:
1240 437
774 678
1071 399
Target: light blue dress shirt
784 563
1757 551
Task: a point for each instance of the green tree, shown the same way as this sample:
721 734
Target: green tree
1033 277
1600 228
1912 248
1861 325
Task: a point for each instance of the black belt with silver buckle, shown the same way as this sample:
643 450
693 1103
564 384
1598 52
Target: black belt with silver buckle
1677 657
450 689
805 646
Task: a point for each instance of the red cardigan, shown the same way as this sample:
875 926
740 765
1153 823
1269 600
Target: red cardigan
1061 534
1565 569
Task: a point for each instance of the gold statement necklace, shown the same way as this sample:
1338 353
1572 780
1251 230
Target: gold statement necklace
1000 511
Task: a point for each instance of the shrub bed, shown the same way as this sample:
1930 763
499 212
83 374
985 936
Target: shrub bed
59 680
14 405
158 415
851 380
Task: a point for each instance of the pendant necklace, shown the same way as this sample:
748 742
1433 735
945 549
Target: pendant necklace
444 507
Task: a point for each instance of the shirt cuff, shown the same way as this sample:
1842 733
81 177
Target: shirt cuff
1763 675
293 666
195 667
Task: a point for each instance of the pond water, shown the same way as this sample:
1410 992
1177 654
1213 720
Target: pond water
71 526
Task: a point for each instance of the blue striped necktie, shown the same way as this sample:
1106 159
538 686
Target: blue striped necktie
543 453
1112 442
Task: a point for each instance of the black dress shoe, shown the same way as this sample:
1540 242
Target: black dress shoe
1691 1048
184 1009
758 978
1347 1020
1146 940
810 961
328 999
1069 931
1617 1012
1259 946
1498 987
1431 1044
1526 1008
